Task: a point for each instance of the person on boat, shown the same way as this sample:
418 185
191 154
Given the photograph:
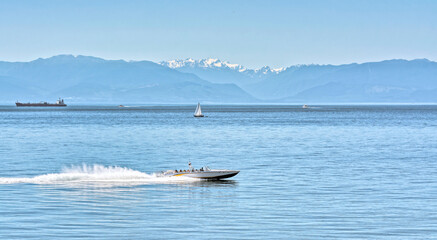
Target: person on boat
190 167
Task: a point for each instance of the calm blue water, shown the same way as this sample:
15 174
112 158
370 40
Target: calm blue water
333 172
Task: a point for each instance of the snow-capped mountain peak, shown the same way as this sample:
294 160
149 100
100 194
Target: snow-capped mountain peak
216 64
204 63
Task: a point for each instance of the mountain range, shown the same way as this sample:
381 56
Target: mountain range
387 81
84 79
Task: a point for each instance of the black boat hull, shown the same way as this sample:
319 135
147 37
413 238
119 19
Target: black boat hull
39 105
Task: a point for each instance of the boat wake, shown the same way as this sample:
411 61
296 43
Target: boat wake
99 174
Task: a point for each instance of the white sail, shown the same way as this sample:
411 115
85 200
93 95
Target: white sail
198 112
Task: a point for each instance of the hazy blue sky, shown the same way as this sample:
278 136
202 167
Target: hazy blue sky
252 33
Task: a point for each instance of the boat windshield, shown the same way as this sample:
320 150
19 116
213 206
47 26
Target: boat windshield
206 168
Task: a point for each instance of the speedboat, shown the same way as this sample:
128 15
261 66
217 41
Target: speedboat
202 173
305 106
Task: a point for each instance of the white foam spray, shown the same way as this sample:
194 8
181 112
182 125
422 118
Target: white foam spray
98 174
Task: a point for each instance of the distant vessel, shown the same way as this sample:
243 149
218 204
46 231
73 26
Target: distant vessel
305 106
198 112
120 105
59 103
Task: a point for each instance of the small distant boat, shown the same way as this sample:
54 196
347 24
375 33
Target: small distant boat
305 106
120 105
59 103
198 112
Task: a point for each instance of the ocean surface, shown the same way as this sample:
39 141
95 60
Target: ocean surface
327 172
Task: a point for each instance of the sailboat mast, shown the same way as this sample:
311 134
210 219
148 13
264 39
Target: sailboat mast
199 110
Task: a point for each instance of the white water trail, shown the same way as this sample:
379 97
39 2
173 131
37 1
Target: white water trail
98 174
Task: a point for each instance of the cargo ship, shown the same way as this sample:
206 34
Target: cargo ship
59 103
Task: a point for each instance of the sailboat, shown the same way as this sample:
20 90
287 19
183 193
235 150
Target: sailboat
198 112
